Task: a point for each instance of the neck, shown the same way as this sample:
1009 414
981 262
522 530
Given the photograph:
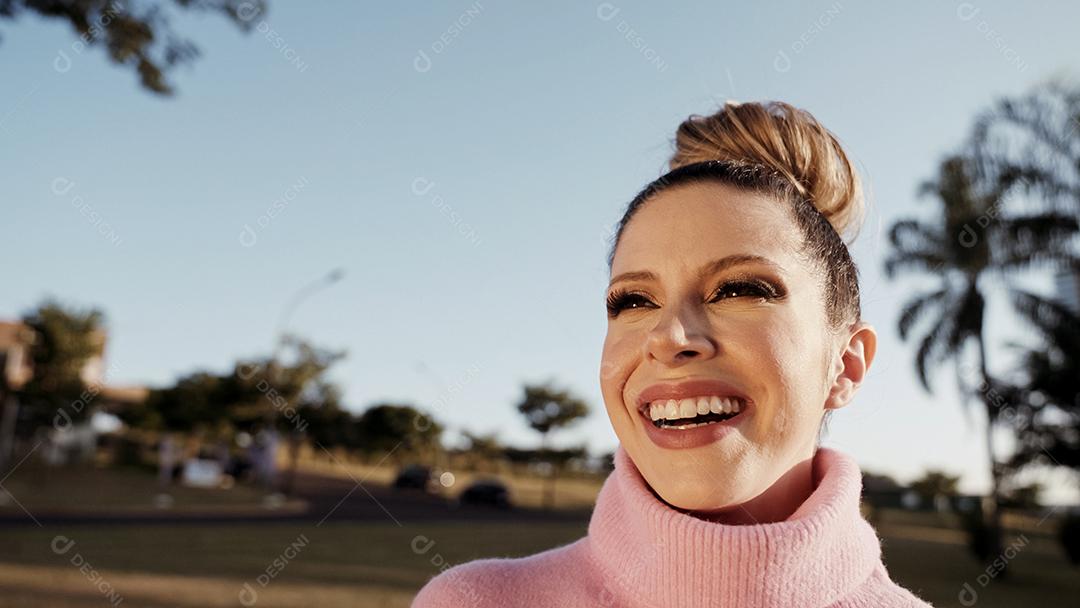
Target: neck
777 503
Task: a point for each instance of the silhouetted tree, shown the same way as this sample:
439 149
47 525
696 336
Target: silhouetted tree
256 391
1046 414
387 428
970 240
547 408
135 33
65 339
484 450
935 483
1030 144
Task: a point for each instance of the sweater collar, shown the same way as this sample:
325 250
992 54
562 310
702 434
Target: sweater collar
660 556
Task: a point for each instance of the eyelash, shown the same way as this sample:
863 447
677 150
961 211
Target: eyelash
618 300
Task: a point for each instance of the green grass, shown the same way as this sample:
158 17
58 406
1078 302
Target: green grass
367 565
43 488
348 564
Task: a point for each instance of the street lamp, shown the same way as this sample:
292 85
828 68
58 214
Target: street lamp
275 365
301 294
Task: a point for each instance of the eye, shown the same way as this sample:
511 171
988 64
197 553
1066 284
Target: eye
747 288
620 300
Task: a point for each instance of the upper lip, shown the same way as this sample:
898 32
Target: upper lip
700 387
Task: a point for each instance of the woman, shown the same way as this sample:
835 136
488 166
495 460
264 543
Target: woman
734 331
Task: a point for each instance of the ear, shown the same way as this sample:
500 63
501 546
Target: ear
851 367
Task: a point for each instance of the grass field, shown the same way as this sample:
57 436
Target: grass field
337 565
369 565
41 488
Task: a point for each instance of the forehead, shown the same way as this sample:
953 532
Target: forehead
690 224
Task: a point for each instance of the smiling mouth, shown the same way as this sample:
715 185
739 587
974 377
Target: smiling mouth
692 412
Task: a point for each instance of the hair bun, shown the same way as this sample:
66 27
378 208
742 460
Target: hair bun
787 140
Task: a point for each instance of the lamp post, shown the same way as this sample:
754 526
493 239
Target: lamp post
441 458
275 365
301 294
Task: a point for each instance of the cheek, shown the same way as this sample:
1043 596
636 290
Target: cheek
790 356
618 360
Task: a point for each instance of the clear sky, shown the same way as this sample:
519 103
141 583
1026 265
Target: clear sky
463 163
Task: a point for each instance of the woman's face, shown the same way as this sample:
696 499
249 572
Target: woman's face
757 323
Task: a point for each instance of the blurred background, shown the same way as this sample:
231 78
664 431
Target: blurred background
304 301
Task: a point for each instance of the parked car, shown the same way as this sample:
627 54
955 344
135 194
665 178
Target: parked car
201 473
488 492
415 476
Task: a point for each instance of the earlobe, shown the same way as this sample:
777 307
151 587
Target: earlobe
853 365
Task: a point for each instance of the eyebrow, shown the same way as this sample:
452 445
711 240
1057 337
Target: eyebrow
712 267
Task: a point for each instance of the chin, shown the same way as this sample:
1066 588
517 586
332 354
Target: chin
693 487
698 497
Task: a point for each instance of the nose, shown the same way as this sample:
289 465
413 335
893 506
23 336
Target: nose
681 334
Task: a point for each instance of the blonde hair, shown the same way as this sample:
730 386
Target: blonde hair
786 140
777 149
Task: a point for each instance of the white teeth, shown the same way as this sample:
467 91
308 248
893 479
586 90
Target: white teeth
687 408
702 405
674 409
671 410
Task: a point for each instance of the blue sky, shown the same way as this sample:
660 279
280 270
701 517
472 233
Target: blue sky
463 162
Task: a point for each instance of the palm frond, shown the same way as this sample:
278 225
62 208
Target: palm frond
932 263
1043 239
1054 319
913 235
930 348
915 309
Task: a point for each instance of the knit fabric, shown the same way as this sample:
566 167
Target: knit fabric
641 552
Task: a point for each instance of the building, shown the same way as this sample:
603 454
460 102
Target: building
15 361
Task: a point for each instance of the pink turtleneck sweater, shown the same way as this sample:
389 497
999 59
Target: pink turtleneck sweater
639 551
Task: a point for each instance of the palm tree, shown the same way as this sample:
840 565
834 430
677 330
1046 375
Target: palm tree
970 242
1048 413
1031 143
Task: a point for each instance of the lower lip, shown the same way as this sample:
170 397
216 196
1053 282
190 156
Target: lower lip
679 439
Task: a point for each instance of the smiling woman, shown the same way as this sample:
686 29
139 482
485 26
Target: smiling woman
734 331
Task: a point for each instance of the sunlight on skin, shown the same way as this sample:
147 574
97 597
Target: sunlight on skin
780 351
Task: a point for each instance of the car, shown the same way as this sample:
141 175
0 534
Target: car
415 476
488 492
